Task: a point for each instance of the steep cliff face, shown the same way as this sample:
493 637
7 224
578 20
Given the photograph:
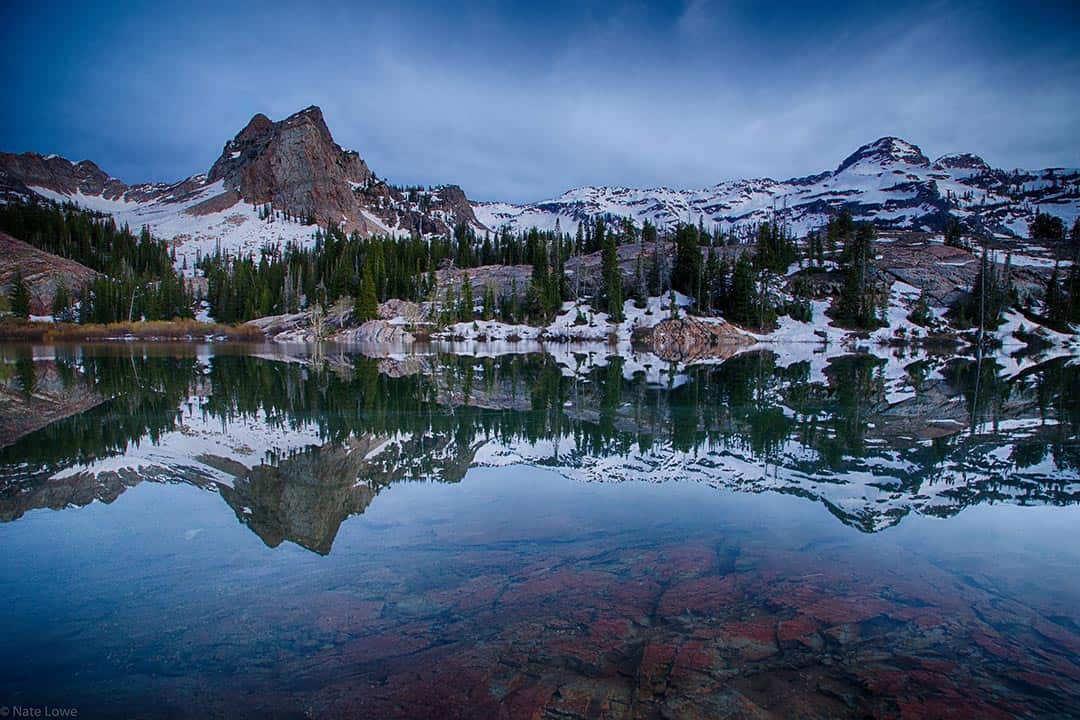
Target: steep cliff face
296 166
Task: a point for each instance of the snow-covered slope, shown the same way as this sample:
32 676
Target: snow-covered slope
236 229
889 182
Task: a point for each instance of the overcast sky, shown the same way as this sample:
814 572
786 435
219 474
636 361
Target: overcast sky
520 102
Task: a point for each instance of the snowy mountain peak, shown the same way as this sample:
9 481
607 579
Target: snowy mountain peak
885 151
888 182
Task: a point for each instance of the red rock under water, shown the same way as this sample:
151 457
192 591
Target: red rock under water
609 630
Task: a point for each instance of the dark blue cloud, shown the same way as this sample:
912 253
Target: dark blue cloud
522 101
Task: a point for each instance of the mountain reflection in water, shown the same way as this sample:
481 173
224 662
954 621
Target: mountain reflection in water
295 448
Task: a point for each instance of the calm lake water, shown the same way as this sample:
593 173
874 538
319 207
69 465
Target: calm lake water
230 531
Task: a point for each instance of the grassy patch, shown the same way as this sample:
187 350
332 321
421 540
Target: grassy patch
11 329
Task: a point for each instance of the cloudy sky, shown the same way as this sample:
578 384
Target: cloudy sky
522 101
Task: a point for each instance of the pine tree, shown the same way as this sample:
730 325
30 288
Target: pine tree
450 307
774 249
654 273
640 292
579 243
1046 227
839 231
488 312
1056 302
715 281
61 304
800 307
920 313
465 303
989 296
954 234
857 306
686 272
612 293
741 302
19 296
366 305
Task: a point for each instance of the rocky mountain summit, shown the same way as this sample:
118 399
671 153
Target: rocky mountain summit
293 164
882 152
272 182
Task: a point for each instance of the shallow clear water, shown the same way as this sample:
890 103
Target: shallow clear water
230 532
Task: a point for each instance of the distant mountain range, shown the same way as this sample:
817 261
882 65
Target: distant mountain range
888 182
295 167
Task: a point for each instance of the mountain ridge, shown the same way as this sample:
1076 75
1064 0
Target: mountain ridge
888 182
272 180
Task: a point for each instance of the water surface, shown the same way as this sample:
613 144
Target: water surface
230 532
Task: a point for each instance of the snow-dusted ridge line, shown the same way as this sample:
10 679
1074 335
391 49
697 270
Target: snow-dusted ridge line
889 182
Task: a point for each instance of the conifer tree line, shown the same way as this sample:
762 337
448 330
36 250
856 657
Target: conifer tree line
1047 228
742 290
722 403
862 298
371 270
740 274
138 278
90 238
268 213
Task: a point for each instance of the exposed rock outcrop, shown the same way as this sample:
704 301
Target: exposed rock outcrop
962 161
944 272
885 151
505 280
42 271
336 325
686 339
295 166
20 173
375 331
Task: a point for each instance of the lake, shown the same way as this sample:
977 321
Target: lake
258 531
